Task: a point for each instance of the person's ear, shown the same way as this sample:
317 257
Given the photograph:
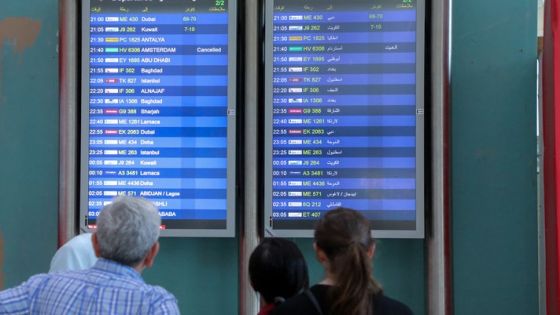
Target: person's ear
95 244
151 257
371 250
320 254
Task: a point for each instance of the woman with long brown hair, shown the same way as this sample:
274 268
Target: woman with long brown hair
345 249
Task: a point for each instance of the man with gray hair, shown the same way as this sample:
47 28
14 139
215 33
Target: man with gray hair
126 242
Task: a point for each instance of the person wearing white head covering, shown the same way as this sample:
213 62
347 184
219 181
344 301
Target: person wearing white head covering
76 254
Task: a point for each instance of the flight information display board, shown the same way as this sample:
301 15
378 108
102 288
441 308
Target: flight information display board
158 110
345 114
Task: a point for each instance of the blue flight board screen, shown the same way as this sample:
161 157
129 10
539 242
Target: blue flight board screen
158 110
345 114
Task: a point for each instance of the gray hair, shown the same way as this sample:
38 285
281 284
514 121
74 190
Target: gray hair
127 229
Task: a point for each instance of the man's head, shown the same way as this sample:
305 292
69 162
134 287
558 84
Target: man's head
127 232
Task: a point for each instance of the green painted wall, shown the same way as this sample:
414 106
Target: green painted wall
494 157
28 137
494 182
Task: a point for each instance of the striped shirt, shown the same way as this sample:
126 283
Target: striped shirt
106 288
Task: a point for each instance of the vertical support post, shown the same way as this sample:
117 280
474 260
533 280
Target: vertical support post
68 93
248 302
438 236
551 153
540 196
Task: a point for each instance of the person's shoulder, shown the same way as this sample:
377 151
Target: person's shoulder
31 285
301 304
76 254
162 301
292 306
386 305
41 277
159 293
57 278
38 281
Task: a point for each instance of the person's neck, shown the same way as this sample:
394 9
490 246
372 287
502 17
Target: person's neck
139 268
328 280
262 301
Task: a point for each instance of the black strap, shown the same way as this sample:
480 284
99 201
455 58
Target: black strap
314 301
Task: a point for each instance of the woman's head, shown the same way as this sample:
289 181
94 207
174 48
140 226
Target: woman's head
343 240
277 270
340 229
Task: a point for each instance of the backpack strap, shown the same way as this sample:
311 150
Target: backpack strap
314 301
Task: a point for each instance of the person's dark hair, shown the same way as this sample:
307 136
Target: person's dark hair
344 235
278 270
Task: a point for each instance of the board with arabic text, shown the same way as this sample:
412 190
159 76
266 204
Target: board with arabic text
344 114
